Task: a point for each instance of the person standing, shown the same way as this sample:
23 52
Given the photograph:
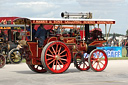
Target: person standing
41 34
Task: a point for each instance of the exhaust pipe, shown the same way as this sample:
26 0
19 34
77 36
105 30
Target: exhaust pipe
76 15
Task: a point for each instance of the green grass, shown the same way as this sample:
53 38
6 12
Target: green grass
118 58
23 61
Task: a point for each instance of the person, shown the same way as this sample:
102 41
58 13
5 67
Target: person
40 34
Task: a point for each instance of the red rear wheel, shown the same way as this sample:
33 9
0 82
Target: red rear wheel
56 57
37 68
81 62
98 60
2 61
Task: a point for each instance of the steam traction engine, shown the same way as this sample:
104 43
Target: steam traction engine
59 50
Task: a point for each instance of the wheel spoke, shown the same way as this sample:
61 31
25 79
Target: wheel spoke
102 63
49 55
53 64
94 57
51 61
97 65
61 62
13 60
80 62
63 59
94 63
56 65
101 57
83 65
93 60
97 55
51 52
86 64
12 54
54 50
62 52
63 55
12 57
86 55
59 51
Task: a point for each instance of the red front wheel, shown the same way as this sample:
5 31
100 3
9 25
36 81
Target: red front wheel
56 57
98 60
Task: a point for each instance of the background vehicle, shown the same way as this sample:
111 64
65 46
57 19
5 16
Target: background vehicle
10 36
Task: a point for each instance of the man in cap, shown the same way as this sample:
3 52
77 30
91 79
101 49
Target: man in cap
41 34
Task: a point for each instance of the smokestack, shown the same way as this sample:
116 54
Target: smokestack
87 35
76 15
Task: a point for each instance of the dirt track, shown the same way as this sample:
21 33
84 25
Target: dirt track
116 73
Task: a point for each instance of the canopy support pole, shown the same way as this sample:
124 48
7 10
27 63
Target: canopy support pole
83 35
25 29
109 30
31 31
98 26
106 31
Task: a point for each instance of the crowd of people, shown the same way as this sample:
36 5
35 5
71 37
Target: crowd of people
115 42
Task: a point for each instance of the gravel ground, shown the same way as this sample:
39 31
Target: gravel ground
116 73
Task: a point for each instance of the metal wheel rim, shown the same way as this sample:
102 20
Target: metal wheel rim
81 62
57 57
98 60
15 58
2 61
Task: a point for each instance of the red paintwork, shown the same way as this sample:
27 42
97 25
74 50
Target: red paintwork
52 39
47 27
5 19
70 40
97 43
96 29
70 22
33 49
81 32
33 46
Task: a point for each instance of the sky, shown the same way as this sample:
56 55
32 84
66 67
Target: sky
101 9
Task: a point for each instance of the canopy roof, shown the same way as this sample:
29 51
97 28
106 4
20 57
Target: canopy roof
58 21
11 25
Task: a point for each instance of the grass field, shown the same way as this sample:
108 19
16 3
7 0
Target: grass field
118 58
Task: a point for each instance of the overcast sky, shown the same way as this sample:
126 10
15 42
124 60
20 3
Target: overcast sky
101 9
